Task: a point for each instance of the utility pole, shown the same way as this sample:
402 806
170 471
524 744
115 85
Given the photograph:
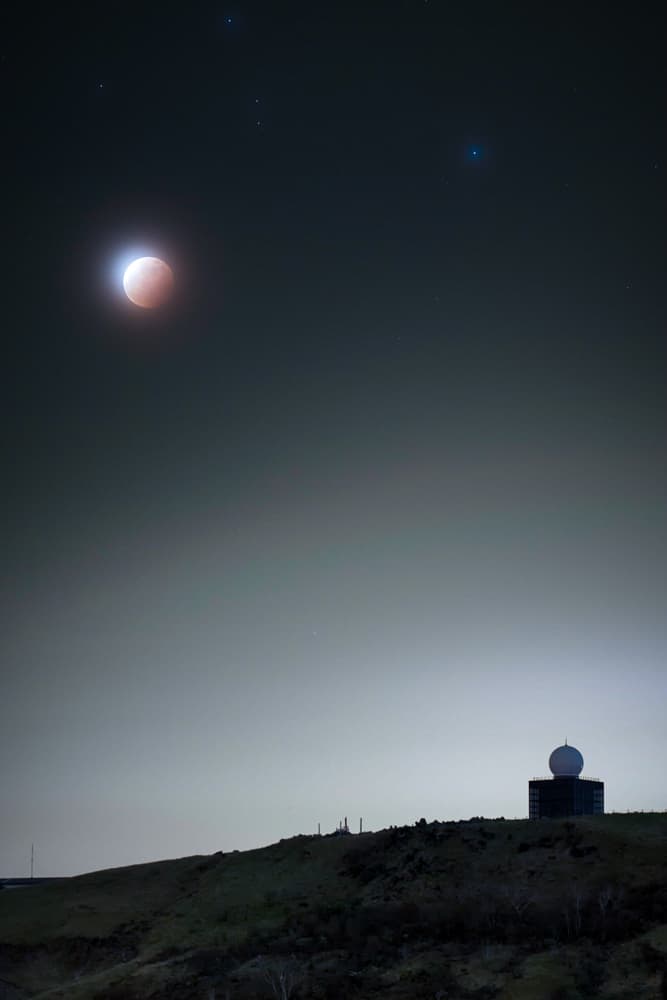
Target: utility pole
32 860
360 819
318 829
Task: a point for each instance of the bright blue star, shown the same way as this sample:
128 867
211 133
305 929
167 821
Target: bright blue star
474 154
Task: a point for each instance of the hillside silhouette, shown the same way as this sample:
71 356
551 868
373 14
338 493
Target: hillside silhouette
508 909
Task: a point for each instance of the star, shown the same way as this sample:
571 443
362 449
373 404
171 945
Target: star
474 153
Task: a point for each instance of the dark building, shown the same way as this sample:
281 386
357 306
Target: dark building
566 794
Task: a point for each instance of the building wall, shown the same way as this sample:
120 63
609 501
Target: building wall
553 797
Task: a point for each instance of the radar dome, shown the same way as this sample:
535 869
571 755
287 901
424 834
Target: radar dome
566 762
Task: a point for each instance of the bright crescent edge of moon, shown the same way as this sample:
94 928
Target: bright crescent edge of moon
148 282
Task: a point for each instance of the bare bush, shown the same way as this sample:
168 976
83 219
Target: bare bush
518 898
573 913
283 977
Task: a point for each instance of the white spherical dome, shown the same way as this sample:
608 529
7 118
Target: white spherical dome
566 762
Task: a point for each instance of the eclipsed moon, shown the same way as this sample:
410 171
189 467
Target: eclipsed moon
148 282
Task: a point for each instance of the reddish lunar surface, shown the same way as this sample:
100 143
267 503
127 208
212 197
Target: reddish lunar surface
148 282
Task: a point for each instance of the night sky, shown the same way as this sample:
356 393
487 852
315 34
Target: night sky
371 515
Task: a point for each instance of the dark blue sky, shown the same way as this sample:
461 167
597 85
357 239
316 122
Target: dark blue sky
372 515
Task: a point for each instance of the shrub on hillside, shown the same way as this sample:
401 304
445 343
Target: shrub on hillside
589 971
653 958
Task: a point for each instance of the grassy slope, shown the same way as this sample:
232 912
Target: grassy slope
187 927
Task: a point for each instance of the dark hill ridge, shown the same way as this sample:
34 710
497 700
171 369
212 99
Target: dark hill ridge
514 909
